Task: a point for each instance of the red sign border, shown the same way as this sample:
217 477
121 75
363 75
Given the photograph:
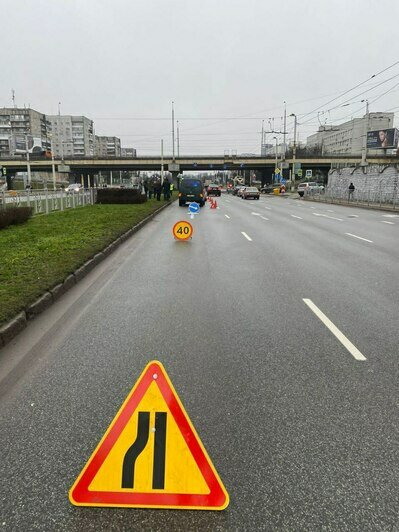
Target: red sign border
216 499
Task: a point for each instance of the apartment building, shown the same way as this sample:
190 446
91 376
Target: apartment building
129 152
22 128
72 136
108 146
347 138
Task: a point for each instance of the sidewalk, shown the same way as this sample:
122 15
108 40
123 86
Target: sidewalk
352 203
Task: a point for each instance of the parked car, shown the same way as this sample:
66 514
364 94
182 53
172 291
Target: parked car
250 192
214 190
310 187
268 189
74 188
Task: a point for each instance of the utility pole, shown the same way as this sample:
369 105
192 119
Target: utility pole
52 162
365 130
262 137
275 164
28 160
285 127
162 161
13 98
178 140
173 131
293 152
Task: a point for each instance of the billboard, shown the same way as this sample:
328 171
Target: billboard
383 138
35 144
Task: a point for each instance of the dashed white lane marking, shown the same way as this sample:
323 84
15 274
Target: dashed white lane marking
359 237
312 207
329 210
227 216
264 218
353 216
246 236
299 218
227 201
256 213
326 216
354 351
386 222
390 215
268 208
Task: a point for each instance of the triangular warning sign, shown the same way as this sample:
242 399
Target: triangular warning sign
151 455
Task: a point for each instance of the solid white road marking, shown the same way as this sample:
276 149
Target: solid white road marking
386 222
264 218
354 351
299 218
246 236
227 216
359 237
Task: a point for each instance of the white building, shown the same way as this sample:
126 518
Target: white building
347 138
72 136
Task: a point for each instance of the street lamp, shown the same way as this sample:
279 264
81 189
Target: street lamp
293 152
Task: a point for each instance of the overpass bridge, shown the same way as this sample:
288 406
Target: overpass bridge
90 165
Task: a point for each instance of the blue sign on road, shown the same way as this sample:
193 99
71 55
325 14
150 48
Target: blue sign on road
283 181
193 207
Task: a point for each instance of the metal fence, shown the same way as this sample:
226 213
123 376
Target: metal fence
46 201
376 198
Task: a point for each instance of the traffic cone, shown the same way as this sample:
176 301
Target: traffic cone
216 204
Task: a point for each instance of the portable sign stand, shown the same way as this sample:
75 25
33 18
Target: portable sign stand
150 456
182 230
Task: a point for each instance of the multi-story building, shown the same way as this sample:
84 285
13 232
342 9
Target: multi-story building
72 136
129 152
22 128
347 138
108 146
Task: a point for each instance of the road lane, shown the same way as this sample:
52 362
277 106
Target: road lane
300 433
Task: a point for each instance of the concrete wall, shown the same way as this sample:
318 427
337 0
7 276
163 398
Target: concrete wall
372 182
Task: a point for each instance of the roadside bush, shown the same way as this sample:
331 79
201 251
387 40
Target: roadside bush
14 215
120 195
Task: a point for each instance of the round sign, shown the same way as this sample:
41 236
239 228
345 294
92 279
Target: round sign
193 207
182 230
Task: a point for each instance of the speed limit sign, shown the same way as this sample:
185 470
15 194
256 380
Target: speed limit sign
182 230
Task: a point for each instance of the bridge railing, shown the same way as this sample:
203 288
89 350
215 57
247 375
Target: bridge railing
44 201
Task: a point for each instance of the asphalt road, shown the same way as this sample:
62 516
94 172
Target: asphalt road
301 426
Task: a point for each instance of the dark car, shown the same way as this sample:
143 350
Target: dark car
268 189
250 192
191 189
213 190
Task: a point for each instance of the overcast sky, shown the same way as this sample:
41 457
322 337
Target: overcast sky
227 64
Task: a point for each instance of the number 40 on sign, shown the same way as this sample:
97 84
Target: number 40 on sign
182 230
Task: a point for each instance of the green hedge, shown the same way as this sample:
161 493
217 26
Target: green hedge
120 195
14 216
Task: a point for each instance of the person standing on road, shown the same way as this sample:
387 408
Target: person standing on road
351 190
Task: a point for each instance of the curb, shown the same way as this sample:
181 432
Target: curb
360 205
10 329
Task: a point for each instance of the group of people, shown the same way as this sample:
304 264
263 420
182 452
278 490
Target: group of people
153 187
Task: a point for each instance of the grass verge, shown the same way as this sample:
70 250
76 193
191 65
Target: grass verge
37 255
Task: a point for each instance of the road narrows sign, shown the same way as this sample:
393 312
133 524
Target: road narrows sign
182 230
150 456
